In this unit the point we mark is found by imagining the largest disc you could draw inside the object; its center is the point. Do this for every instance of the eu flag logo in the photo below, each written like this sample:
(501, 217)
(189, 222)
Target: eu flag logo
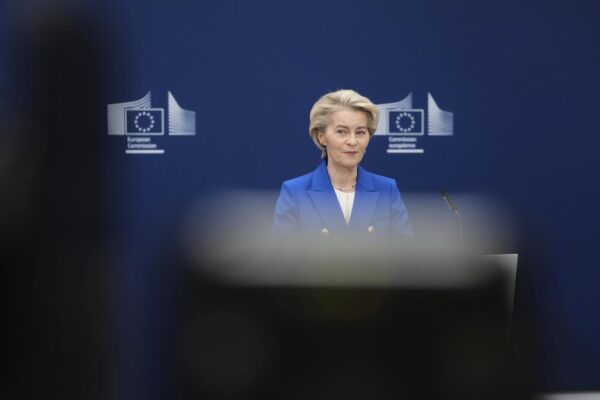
(406, 122)
(144, 121)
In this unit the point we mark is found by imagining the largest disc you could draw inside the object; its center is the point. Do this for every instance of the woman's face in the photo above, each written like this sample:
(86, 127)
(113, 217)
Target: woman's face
(346, 138)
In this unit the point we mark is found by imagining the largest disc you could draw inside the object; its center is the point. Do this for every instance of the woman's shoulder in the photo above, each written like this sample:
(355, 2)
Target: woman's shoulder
(379, 181)
(299, 183)
(310, 180)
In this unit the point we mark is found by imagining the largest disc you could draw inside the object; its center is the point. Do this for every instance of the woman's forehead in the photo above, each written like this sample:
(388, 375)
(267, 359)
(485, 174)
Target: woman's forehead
(349, 117)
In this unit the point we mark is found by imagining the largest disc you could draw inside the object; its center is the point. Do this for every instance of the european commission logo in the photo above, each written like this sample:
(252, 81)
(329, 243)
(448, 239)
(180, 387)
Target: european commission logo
(407, 122)
(404, 124)
(143, 124)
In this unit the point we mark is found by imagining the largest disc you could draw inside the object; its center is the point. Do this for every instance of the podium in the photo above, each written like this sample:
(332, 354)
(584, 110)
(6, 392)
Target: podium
(292, 323)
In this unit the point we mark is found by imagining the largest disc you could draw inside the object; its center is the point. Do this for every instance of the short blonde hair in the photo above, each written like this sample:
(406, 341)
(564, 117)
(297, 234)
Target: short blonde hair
(331, 102)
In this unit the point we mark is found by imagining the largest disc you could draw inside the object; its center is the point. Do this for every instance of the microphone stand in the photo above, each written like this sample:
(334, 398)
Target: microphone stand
(454, 210)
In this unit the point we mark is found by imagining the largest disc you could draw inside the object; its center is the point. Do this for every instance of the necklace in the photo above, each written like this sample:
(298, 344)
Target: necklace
(350, 189)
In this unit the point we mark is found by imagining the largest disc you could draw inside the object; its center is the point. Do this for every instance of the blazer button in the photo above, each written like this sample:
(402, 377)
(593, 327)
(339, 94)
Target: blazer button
(370, 229)
(324, 232)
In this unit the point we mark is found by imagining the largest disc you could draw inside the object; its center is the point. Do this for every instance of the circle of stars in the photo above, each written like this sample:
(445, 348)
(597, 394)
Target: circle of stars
(147, 115)
(399, 118)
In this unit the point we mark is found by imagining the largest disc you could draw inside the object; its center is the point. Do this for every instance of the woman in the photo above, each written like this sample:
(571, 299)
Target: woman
(339, 197)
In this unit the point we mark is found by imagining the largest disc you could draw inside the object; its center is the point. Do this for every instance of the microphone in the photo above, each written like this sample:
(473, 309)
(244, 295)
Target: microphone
(454, 210)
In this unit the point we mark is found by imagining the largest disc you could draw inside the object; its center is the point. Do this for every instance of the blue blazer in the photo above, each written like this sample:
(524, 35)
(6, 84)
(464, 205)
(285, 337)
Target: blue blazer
(308, 207)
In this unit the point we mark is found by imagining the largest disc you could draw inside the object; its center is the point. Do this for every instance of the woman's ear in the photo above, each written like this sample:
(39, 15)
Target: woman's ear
(321, 137)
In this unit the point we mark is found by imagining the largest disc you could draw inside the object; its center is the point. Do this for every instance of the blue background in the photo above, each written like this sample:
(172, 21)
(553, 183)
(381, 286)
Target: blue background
(521, 78)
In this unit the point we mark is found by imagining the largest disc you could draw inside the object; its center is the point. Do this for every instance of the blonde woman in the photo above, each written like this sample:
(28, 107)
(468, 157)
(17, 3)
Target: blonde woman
(340, 197)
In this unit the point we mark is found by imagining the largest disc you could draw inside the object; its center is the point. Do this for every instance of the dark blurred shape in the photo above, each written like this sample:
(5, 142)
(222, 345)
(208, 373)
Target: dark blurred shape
(54, 203)
(240, 339)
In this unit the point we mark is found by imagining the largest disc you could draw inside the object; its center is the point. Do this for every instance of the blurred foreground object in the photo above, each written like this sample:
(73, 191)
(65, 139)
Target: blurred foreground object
(306, 339)
(331, 319)
(53, 223)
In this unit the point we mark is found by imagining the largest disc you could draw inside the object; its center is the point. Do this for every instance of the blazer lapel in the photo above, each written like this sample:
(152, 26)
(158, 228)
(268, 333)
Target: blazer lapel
(325, 202)
(365, 202)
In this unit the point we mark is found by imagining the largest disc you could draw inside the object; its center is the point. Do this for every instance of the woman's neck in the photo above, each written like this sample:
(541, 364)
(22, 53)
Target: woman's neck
(342, 178)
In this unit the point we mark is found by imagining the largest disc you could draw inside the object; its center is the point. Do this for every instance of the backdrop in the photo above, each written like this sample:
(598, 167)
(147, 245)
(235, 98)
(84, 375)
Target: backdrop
(501, 100)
